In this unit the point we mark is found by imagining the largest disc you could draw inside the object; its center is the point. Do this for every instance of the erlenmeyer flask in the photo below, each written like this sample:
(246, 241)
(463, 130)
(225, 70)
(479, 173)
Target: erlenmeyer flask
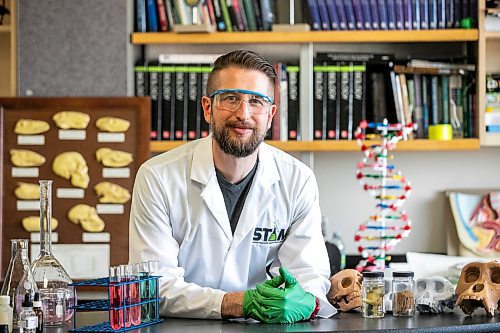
(51, 278)
(19, 278)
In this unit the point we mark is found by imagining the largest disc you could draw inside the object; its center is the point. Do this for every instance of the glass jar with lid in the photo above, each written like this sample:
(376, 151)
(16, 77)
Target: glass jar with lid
(373, 290)
(403, 294)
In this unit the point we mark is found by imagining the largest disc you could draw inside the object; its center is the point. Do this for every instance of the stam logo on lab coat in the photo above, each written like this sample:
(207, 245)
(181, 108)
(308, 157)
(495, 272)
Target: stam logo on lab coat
(268, 235)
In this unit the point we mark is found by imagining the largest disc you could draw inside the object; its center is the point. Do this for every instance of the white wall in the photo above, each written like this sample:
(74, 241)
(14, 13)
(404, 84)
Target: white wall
(431, 173)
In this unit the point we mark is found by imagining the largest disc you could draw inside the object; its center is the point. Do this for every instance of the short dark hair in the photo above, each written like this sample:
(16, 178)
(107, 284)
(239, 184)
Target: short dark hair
(244, 59)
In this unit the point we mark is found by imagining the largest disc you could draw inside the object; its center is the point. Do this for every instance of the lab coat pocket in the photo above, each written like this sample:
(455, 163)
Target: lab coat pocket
(264, 253)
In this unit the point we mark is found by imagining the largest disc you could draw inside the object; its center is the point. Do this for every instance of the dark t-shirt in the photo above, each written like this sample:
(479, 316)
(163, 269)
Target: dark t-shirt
(235, 195)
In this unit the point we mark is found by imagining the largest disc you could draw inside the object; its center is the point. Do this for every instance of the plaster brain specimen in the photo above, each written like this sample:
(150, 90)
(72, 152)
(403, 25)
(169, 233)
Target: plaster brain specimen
(112, 124)
(71, 120)
(111, 193)
(87, 217)
(31, 127)
(345, 290)
(32, 223)
(113, 158)
(26, 158)
(27, 191)
(479, 286)
(434, 295)
(71, 165)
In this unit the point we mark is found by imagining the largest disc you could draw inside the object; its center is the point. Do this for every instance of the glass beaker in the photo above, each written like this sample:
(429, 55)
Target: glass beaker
(50, 276)
(19, 277)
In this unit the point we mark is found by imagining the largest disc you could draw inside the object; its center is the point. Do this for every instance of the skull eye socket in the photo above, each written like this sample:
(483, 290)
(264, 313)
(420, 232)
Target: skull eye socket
(472, 274)
(495, 275)
(439, 286)
(346, 282)
(421, 286)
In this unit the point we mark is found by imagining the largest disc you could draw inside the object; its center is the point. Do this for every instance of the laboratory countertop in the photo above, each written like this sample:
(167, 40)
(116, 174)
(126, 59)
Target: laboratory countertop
(342, 322)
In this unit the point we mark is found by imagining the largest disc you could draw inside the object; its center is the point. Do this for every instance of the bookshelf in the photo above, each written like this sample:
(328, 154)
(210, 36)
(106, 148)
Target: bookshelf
(308, 43)
(488, 50)
(8, 52)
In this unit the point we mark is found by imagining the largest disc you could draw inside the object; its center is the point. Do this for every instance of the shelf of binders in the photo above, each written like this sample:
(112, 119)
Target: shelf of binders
(105, 305)
(344, 145)
(344, 36)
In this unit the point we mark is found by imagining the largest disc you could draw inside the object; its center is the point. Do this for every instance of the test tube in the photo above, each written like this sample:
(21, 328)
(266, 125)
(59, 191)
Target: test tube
(142, 271)
(115, 298)
(154, 266)
(125, 278)
(133, 294)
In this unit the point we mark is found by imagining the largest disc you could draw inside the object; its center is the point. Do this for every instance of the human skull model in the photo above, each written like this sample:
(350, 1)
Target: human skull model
(434, 295)
(479, 286)
(345, 290)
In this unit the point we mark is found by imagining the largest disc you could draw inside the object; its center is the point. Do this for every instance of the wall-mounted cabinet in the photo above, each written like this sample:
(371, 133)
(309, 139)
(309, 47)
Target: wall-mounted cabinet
(8, 52)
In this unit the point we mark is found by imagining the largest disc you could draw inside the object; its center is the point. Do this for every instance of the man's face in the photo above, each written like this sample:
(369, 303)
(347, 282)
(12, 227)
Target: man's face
(238, 133)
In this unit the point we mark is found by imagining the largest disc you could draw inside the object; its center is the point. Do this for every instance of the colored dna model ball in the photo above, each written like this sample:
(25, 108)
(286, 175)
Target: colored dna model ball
(390, 224)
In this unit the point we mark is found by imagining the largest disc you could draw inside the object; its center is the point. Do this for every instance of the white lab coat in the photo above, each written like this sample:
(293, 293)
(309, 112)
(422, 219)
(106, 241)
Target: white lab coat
(178, 216)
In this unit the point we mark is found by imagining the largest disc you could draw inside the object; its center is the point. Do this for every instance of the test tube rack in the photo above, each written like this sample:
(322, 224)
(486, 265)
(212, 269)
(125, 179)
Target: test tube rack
(105, 305)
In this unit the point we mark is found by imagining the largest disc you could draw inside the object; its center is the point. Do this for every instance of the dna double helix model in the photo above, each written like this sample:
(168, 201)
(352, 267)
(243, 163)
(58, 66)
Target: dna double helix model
(389, 224)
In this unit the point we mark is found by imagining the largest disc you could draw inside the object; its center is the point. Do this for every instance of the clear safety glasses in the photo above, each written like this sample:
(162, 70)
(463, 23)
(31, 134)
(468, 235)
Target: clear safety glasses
(231, 99)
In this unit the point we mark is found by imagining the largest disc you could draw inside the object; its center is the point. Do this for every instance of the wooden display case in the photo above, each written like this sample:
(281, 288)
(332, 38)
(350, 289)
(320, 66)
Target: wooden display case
(83, 253)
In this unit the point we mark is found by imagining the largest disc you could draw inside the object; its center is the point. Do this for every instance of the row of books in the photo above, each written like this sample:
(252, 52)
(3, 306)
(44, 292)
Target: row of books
(492, 114)
(175, 92)
(352, 87)
(347, 89)
(260, 15)
(225, 15)
(391, 14)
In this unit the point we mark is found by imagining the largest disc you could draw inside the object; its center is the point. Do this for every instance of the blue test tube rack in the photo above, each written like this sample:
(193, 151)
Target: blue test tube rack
(105, 305)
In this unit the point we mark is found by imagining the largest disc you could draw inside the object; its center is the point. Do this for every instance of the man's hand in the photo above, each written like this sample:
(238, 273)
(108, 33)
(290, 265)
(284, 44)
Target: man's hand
(271, 303)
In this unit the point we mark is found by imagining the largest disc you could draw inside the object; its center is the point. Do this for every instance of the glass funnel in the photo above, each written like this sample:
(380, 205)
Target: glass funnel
(19, 279)
(50, 276)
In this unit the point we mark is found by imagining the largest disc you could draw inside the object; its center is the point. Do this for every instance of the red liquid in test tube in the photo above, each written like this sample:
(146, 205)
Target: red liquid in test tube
(115, 298)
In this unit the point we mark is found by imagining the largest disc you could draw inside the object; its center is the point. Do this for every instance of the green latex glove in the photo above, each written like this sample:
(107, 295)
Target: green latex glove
(274, 304)
(248, 303)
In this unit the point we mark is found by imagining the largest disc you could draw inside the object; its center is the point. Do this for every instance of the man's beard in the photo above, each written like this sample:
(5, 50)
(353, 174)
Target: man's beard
(234, 146)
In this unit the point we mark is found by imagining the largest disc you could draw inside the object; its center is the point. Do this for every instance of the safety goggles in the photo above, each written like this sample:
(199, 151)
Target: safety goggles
(231, 99)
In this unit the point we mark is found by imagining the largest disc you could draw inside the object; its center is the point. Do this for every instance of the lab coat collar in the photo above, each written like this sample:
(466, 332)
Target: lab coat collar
(203, 172)
(258, 199)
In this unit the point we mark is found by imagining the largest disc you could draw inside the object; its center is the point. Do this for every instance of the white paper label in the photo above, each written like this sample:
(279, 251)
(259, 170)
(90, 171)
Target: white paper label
(35, 237)
(28, 205)
(115, 172)
(110, 137)
(29, 323)
(24, 172)
(110, 209)
(72, 135)
(96, 237)
(81, 261)
(70, 193)
(31, 140)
